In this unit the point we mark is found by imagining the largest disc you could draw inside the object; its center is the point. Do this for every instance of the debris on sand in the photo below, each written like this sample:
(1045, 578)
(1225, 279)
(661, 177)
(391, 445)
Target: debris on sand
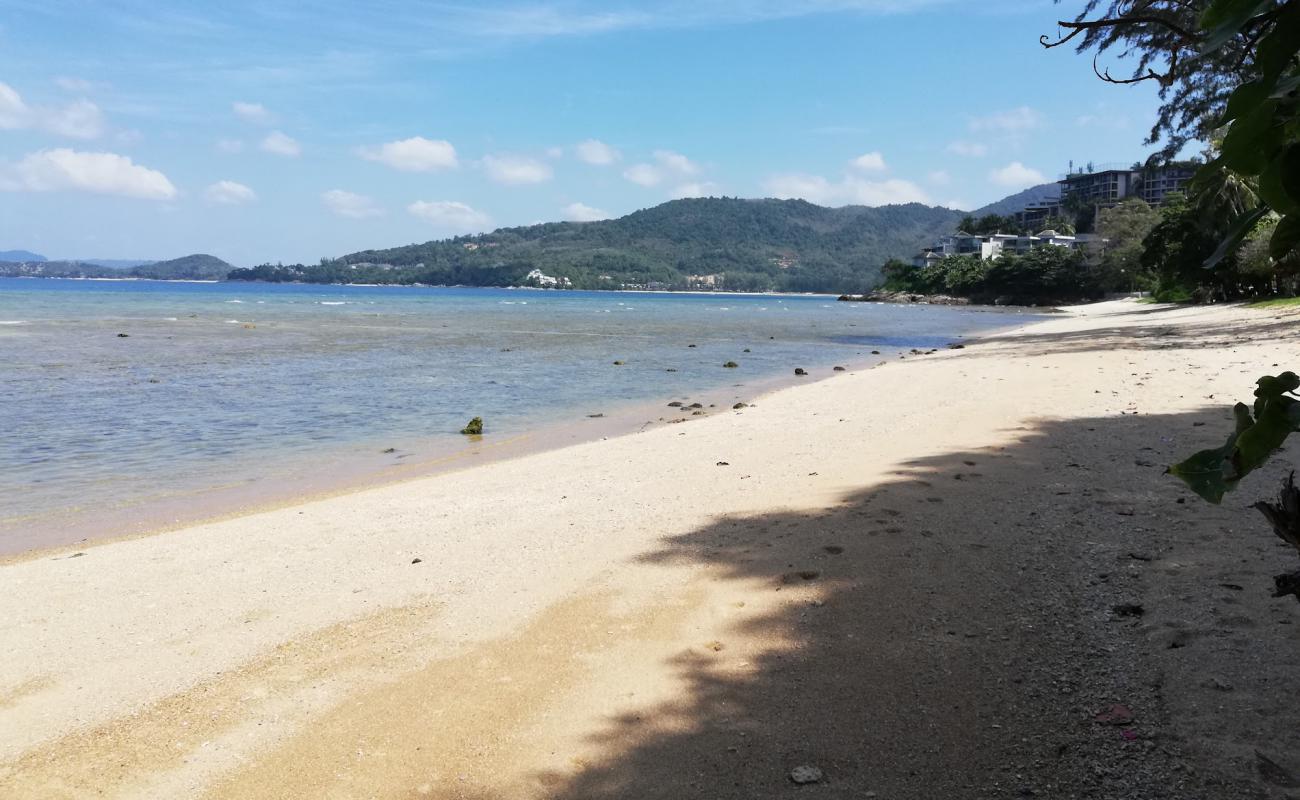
(806, 774)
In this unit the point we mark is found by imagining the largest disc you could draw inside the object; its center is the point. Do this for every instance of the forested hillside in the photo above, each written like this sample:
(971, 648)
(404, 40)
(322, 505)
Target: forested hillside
(193, 267)
(724, 243)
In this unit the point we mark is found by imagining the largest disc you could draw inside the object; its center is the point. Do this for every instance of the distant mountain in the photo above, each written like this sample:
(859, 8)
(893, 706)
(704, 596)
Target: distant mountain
(1018, 201)
(195, 267)
(728, 243)
(117, 263)
(199, 266)
(21, 255)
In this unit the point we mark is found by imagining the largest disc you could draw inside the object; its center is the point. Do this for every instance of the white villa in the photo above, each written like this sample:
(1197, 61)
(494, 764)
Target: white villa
(995, 245)
(538, 278)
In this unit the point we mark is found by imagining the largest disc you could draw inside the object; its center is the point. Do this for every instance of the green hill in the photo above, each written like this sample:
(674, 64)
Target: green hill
(199, 266)
(195, 267)
(784, 245)
(1017, 201)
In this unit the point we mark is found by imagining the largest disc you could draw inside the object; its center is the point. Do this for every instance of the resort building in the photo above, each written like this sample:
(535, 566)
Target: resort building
(1111, 183)
(537, 278)
(993, 245)
(1108, 185)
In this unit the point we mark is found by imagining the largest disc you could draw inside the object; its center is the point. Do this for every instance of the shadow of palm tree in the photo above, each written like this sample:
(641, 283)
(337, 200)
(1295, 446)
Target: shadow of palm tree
(952, 633)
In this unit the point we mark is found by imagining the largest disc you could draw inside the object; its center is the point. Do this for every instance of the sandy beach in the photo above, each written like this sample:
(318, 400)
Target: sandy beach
(906, 577)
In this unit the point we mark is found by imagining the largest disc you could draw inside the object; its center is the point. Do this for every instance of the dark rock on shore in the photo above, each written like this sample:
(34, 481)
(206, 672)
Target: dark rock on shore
(906, 297)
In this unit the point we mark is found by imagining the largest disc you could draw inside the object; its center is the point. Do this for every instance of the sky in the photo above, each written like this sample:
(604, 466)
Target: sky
(283, 130)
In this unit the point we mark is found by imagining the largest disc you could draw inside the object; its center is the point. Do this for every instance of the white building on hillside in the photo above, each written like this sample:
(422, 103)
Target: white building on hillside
(538, 278)
(991, 246)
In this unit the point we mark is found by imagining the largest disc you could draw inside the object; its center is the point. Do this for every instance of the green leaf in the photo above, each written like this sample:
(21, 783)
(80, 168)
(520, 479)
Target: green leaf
(1273, 423)
(1213, 473)
(1276, 50)
(1285, 86)
(1209, 473)
(1288, 168)
(1235, 236)
(1224, 19)
(1286, 237)
(1271, 189)
(1245, 99)
(1251, 140)
(1204, 472)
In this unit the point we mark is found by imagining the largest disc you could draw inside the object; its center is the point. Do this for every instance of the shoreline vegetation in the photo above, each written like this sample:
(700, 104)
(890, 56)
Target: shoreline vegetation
(499, 632)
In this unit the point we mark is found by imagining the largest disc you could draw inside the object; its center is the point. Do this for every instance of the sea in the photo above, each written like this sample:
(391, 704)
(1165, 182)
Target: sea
(133, 405)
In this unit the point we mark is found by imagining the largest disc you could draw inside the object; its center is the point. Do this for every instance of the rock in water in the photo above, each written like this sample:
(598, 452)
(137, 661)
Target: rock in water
(474, 428)
(805, 774)
(731, 365)
(800, 371)
(838, 369)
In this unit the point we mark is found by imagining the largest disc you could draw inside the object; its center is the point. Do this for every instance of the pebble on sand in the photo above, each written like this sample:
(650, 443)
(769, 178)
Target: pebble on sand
(806, 774)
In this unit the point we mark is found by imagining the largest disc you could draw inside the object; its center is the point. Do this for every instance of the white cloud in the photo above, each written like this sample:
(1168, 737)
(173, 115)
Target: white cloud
(230, 145)
(514, 170)
(416, 154)
(669, 164)
(676, 162)
(14, 113)
(869, 162)
(596, 153)
(281, 145)
(1117, 122)
(1017, 119)
(532, 21)
(939, 178)
(70, 84)
(555, 152)
(99, 173)
(968, 149)
(696, 189)
(643, 175)
(1016, 176)
(849, 191)
(81, 119)
(229, 193)
(581, 212)
(351, 205)
(251, 112)
(450, 216)
(956, 205)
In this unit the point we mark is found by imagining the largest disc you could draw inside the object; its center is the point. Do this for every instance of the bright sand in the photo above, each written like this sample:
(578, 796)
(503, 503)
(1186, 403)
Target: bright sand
(640, 615)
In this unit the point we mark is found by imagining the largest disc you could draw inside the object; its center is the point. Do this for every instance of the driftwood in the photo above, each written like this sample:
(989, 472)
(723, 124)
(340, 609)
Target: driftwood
(1284, 516)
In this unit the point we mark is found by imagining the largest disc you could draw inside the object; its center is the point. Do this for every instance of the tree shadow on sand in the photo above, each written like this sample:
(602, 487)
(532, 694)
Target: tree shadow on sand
(1153, 334)
(954, 632)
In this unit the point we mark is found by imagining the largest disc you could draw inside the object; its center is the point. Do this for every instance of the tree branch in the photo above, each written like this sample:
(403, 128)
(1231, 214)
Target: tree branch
(1076, 28)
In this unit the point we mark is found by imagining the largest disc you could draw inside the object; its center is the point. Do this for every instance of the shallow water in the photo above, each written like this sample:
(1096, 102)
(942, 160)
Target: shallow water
(226, 384)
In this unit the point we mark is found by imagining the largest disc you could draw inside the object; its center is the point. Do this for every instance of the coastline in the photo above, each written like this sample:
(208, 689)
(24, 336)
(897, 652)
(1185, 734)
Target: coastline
(361, 468)
(680, 607)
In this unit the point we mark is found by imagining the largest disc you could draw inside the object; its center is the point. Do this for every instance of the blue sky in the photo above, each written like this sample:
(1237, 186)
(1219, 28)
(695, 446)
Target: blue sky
(279, 130)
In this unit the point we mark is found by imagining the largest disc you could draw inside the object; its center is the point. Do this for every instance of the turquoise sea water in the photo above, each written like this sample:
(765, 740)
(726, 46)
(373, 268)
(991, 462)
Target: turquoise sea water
(217, 385)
